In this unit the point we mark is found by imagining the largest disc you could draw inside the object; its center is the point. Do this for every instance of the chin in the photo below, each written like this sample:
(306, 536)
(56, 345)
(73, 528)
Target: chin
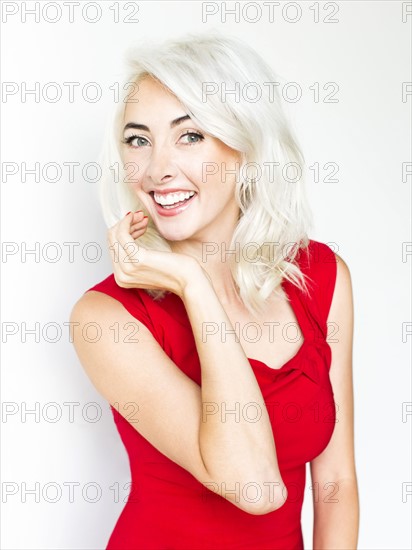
(175, 235)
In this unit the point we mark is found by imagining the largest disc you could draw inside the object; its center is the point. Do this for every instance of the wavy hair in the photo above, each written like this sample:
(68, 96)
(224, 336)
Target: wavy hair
(274, 216)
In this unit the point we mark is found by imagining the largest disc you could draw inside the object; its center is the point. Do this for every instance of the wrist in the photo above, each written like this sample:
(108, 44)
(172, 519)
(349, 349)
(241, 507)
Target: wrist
(196, 281)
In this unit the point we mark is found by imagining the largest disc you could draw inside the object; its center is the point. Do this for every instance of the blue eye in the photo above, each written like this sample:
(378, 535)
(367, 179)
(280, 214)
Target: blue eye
(129, 140)
(196, 135)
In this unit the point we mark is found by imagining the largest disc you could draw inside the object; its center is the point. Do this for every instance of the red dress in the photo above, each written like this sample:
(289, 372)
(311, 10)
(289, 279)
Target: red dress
(167, 507)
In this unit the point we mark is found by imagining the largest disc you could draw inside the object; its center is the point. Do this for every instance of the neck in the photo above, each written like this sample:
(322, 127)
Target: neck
(214, 256)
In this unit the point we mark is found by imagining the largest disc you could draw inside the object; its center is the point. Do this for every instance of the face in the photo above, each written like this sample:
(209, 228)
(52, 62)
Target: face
(189, 172)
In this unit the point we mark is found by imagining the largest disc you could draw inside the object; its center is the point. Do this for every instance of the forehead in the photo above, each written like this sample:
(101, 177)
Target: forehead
(149, 97)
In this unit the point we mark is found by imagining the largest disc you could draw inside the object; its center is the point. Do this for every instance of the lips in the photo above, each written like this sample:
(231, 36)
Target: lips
(167, 191)
(171, 199)
(173, 210)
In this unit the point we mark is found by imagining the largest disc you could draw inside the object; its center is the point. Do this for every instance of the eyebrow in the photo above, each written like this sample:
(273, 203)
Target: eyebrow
(173, 123)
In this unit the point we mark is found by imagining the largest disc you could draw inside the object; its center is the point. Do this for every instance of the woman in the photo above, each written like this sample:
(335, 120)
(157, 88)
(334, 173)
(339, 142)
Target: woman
(213, 351)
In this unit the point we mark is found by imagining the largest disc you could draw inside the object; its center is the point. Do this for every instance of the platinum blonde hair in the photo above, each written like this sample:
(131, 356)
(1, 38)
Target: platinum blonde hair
(274, 216)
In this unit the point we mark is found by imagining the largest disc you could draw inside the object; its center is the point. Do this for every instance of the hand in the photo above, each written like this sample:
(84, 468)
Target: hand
(137, 267)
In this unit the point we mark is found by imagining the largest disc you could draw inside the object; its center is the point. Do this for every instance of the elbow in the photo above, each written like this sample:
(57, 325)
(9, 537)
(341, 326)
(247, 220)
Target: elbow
(264, 507)
(253, 497)
(260, 509)
(271, 498)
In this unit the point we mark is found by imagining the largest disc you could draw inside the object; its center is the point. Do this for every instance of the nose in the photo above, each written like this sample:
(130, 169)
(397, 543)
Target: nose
(161, 166)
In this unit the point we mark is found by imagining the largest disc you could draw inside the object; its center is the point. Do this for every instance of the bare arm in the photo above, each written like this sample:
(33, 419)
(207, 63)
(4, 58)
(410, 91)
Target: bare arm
(173, 414)
(171, 408)
(235, 434)
(336, 500)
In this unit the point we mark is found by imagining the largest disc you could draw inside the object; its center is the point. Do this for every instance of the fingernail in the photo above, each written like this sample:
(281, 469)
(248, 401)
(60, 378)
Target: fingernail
(128, 213)
(138, 211)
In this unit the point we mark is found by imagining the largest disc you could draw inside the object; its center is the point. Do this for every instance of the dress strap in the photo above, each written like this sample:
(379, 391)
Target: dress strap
(318, 262)
(131, 299)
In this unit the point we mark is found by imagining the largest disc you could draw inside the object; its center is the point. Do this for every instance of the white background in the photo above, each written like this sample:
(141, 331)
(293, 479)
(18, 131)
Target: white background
(366, 213)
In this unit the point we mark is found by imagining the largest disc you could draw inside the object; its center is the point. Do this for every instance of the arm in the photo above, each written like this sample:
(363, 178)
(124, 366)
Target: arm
(336, 524)
(182, 420)
(170, 405)
(235, 449)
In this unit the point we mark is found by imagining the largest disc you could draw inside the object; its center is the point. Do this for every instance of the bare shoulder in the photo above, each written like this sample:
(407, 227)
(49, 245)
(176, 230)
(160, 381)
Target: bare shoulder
(101, 308)
(96, 318)
(93, 300)
(137, 370)
(341, 310)
(343, 272)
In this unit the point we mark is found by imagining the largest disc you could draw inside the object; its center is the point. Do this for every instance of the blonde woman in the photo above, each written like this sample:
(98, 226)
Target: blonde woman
(214, 354)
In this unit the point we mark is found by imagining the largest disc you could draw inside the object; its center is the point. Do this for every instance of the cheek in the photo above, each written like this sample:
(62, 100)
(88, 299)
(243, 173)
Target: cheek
(227, 174)
(192, 169)
(209, 169)
(133, 169)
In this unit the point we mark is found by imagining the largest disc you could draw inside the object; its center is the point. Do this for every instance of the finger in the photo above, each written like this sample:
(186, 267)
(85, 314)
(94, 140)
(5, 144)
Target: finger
(118, 237)
(137, 233)
(136, 216)
(139, 224)
(124, 250)
(123, 229)
(124, 258)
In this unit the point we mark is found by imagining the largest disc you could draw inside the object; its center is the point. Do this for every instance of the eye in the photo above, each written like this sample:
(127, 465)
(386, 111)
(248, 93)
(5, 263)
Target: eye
(195, 137)
(139, 141)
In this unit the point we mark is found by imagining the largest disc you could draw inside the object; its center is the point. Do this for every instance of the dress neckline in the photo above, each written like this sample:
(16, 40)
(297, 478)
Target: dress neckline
(290, 291)
(291, 296)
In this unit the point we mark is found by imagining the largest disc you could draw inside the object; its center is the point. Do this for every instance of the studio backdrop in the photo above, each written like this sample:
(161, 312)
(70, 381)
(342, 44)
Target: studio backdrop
(345, 82)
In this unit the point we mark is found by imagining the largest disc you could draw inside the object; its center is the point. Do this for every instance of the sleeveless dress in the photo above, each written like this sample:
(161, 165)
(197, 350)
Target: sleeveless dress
(167, 507)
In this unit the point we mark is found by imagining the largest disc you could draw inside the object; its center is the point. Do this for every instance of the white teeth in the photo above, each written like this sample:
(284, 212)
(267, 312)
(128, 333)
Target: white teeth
(172, 198)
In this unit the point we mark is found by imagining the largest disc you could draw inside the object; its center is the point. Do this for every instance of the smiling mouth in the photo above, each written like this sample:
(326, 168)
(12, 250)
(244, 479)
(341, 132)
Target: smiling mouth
(168, 203)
